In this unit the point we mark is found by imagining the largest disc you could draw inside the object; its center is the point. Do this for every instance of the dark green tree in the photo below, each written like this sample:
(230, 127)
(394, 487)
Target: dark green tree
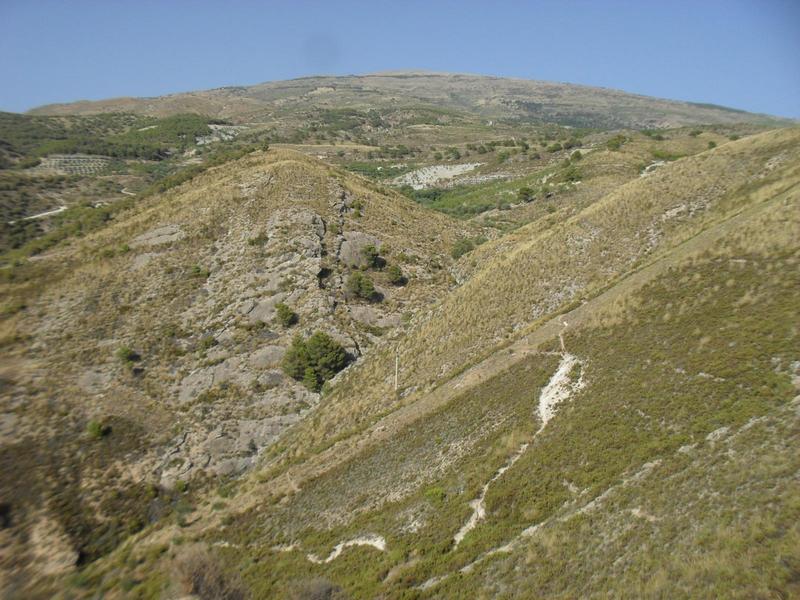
(372, 257)
(315, 360)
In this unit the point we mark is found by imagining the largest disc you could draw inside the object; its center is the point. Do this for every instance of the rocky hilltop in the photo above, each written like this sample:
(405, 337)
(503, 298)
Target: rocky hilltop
(484, 96)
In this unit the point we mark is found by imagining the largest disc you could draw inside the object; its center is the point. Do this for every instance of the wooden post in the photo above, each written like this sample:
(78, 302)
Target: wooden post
(396, 370)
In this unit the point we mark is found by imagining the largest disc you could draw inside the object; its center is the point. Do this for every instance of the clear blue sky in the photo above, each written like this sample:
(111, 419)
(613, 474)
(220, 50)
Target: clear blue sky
(744, 54)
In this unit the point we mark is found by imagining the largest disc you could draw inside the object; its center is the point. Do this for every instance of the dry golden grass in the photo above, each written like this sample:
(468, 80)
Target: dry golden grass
(552, 268)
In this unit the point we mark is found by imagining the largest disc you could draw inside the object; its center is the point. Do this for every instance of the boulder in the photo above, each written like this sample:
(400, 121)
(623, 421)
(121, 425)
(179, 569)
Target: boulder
(354, 242)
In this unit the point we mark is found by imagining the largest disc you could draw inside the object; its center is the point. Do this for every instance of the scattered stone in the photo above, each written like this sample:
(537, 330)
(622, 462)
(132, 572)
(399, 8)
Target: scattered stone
(160, 235)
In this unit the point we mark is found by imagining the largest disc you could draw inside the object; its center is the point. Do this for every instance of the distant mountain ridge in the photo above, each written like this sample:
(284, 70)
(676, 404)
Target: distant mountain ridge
(480, 95)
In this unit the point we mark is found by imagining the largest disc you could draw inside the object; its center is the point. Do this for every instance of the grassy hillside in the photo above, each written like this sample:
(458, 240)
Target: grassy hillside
(644, 421)
(562, 266)
(607, 389)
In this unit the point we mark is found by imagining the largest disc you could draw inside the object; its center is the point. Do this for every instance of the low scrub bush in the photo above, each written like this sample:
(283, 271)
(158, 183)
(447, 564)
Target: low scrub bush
(395, 275)
(465, 246)
(127, 355)
(372, 257)
(361, 286)
(200, 574)
(285, 315)
(97, 430)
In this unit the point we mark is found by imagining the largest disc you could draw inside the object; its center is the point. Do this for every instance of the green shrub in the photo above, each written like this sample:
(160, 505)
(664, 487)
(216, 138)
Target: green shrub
(453, 153)
(310, 379)
(97, 430)
(572, 174)
(314, 360)
(396, 276)
(664, 155)
(615, 143)
(361, 286)
(525, 194)
(464, 246)
(199, 272)
(372, 256)
(285, 315)
(127, 355)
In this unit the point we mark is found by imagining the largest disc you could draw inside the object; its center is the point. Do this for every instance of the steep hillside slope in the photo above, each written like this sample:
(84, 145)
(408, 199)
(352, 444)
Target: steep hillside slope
(488, 97)
(650, 430)
(554, 269)
(149, 353)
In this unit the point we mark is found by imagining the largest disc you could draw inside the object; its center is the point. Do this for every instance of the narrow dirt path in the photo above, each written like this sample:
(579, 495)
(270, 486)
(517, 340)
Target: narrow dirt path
(42, 215)
(376, 541)
(558, 389)
(479, 504)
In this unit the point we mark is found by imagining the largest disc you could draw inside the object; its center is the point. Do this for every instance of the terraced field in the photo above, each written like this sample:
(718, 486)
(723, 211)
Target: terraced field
(73, 164)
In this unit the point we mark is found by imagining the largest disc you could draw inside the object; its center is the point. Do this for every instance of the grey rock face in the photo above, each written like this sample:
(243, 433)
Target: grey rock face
(160, 235)
(354, 242)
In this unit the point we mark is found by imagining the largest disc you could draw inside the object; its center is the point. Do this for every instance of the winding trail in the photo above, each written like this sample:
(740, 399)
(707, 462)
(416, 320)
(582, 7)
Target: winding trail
(479, 504)
(557, 390)
(376, 541)
(42, 215)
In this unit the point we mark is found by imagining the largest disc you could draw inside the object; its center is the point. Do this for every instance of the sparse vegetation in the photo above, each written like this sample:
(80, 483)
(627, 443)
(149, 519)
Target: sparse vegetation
(679, 290)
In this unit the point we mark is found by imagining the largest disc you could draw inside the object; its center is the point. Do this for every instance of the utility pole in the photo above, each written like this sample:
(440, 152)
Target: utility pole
(396, 369)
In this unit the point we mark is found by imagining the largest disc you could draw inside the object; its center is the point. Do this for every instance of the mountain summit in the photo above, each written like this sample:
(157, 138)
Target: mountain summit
(484, 96)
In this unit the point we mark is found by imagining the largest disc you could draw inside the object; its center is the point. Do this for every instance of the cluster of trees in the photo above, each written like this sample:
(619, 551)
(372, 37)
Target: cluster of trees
(394, 152)
(23, 134)
(119, 136)
(314, 360)
(360, 285)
